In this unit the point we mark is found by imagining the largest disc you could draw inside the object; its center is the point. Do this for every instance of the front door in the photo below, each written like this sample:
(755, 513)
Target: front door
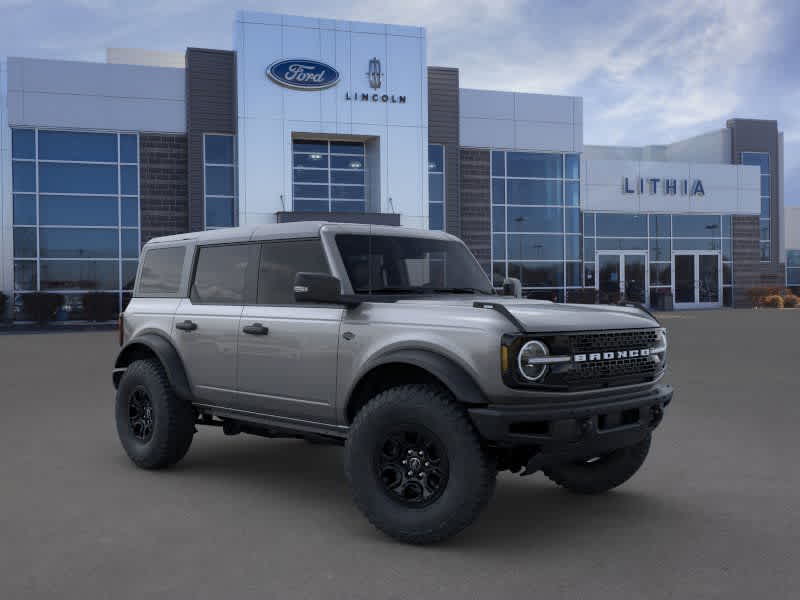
(622, 275)
(697, 279)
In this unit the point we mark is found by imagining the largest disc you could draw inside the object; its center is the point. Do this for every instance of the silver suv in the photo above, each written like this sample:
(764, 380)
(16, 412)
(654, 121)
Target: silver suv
(392, 342)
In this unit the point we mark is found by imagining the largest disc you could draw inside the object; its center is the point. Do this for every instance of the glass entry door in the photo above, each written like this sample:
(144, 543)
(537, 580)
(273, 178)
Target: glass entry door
(697, 279)
(622, 275)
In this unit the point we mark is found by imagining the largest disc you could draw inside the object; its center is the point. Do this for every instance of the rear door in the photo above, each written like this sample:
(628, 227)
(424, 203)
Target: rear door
(288, 351)
(206, 324)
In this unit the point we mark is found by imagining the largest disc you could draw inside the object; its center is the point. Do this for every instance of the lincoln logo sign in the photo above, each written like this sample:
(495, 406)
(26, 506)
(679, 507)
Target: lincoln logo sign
(302, 74)
(667, 186)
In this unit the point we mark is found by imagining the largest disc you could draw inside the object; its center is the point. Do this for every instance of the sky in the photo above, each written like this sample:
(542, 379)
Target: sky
(649, 72)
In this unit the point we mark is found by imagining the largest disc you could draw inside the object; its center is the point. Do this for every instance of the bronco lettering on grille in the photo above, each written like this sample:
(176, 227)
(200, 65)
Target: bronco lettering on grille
(595, 356)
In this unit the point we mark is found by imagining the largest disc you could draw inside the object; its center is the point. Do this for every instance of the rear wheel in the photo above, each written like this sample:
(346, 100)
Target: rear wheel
(601, 473)
(154, 426)
(416, 466)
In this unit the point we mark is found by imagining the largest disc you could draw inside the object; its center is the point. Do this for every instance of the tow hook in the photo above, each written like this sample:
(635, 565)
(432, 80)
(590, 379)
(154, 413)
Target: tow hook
(656, 414)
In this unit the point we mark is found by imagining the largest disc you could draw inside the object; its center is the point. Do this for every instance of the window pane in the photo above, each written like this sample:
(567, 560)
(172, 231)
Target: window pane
(310, 191)
(793, 277)
(588, 224)
(498, 218)
(219, 149)
(78, 243)
(727, 297)
(311, 205)
(765, 208)
(77, 179)
(435, 158)
(498, 163)
(695, 244)
(759, 159)
(348, 206)
(727, 249)
(572, 245)
(130, 243)
(219, 181)
(25, 275)
(77, 210)
(521, 191)
(621, 243)
(498, 191)
(727, 226)
(128, 149)
(317, 161)
(765, 251)
(765, 185)
(219, 212)
(130, 212)
(346, 162)
(573, 166)
(347, 192)
(588, 274)
(24, 242)
(129, 273)
(347, 148)
(79, 275)
(696, 225)
(763, 229)
(498, 273)
(436, 216)
(499, 247)
(572, 220)
(588, 249)
(436, 187)
(529, 164)
(538, 220)
(280, 262)
(660, 226)
(623, 225)
(220, 274)
(161, 270)
(538, 274)
(23, 176)
(535, 247)
(311, 175)
(74, 145)
(357, 177)
(661, 274)
(310, 146)
(727, 273)
(793, 258)
(572, 189)
(129, 180)
(23, 144)
(24, 209)
(660, 249)
(573, 274)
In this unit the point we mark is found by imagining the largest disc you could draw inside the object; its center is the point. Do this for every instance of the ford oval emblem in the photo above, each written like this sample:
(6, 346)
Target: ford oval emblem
(303, 74)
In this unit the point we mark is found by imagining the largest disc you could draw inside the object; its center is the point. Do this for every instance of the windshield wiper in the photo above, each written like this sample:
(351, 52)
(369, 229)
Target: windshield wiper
(459, 290)
(392, 290)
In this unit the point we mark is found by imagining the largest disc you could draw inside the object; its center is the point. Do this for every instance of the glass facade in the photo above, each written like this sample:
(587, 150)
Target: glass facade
(219, 168)
(536, 221)
(761, 160)
(76, 214)
(328, 176)
(793, 268)
(436, 186)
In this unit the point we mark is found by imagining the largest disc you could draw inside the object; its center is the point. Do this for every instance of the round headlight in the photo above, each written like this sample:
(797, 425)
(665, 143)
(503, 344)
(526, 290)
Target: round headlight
(529, 367)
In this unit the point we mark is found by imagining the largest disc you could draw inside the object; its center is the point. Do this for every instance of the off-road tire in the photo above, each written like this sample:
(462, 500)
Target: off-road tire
(172, 418)
(472, 472)
(606, 473)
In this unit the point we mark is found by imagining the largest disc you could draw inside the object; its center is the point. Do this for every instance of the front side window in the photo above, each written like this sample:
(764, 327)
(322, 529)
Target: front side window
(408, 265)
(281, 261)
(220, 274)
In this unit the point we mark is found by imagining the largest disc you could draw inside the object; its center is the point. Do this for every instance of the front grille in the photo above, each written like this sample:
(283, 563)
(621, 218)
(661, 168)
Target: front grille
(636, 339)
(614, 371)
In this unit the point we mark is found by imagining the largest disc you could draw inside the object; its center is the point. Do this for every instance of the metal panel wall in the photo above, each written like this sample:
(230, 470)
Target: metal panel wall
(443, 128)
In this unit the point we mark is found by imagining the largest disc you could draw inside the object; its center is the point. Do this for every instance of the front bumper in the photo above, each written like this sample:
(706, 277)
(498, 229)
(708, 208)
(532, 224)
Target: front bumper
(564, 430)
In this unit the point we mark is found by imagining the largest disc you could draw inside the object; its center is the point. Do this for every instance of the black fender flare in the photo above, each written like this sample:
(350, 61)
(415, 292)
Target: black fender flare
(166, 354)
(452, 375)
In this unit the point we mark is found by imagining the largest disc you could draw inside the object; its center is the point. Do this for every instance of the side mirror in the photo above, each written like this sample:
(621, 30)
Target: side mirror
(317, 287)
(512, 287)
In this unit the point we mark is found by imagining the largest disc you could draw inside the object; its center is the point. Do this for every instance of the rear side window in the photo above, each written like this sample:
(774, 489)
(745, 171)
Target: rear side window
(281, 261)
(161, 271)
(220, 274)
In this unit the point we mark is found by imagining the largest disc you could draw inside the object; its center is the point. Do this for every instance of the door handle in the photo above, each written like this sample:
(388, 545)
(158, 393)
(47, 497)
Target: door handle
(187, 325)
(256, 329)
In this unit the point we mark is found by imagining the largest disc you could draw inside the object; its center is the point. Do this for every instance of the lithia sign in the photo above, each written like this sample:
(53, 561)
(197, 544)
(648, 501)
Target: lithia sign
(667, 186)
(306, 74)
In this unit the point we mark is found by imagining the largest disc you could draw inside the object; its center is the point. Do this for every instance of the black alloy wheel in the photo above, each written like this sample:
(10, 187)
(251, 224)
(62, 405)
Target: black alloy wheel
(140, 414)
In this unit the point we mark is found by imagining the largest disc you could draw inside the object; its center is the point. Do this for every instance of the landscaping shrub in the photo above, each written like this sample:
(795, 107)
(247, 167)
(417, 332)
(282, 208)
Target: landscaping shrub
(758, 295)
(773, 301)
(41, 306)
(99, 306)
(790, 301)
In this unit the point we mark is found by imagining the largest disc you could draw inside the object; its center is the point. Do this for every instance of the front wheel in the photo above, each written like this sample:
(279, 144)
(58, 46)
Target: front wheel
(601, 473)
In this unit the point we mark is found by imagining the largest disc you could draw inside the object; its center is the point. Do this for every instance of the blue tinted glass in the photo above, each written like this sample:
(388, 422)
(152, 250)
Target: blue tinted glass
(310, 191)
(314, 161)
(660, 274)
(621, 244)
(696, 225)
(765, 185)
(498, 191)
(347, 192)
(73, 145)
(219, 212)
(129, 180)
(356, 177)
(128, 149)
(23, 144)
(535, 247)
(25, 275)
(727, 249)
(219, 149)
(348, 206)
(78, 243)
(660, 226)
(311, 205)
(621, 225)
(543, 274)
(499, 246)
(23, 176)
(588, 249)
(695, 244)
(572, 220)
(77, 210)
(588, 271)
(793, 258)
(793, 277)
(573, 274)
(498, 163)
(572, 246)
(130, 243)
(660, 249)
(530, 164)
(436, 187)
(573, 166)
(498, 218)
(588, 224)
(727, 225)
(219, 181)
(24, 209)
(80, 275)
(24, 242)
(436, 216)
(759, 159)
(766, 251)
(537, 220)
(435, 158)
(130, 212)
(345, 162)
(764, 229)
(526, 191)
(312, 175)
(78, 179)
(309, 146)
(129, 273)
(347, 148)
(765, 208)
(572, 190)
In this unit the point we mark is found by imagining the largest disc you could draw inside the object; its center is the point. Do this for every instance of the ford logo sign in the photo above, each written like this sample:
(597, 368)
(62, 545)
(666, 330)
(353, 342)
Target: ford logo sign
(303, 74)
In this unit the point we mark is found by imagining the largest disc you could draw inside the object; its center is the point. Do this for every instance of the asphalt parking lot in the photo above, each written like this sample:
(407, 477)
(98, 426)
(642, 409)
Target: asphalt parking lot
(715, 512)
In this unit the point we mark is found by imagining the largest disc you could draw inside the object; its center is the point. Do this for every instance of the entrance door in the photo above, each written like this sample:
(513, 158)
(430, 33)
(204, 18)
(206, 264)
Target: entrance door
(622, 275)
(697, 279)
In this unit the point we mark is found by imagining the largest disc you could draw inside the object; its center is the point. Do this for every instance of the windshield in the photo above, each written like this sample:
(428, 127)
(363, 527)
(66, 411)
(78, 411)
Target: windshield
(406, 265)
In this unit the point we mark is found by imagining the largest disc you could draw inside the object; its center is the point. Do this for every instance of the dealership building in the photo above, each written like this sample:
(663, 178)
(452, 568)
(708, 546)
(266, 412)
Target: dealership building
(339, 120)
